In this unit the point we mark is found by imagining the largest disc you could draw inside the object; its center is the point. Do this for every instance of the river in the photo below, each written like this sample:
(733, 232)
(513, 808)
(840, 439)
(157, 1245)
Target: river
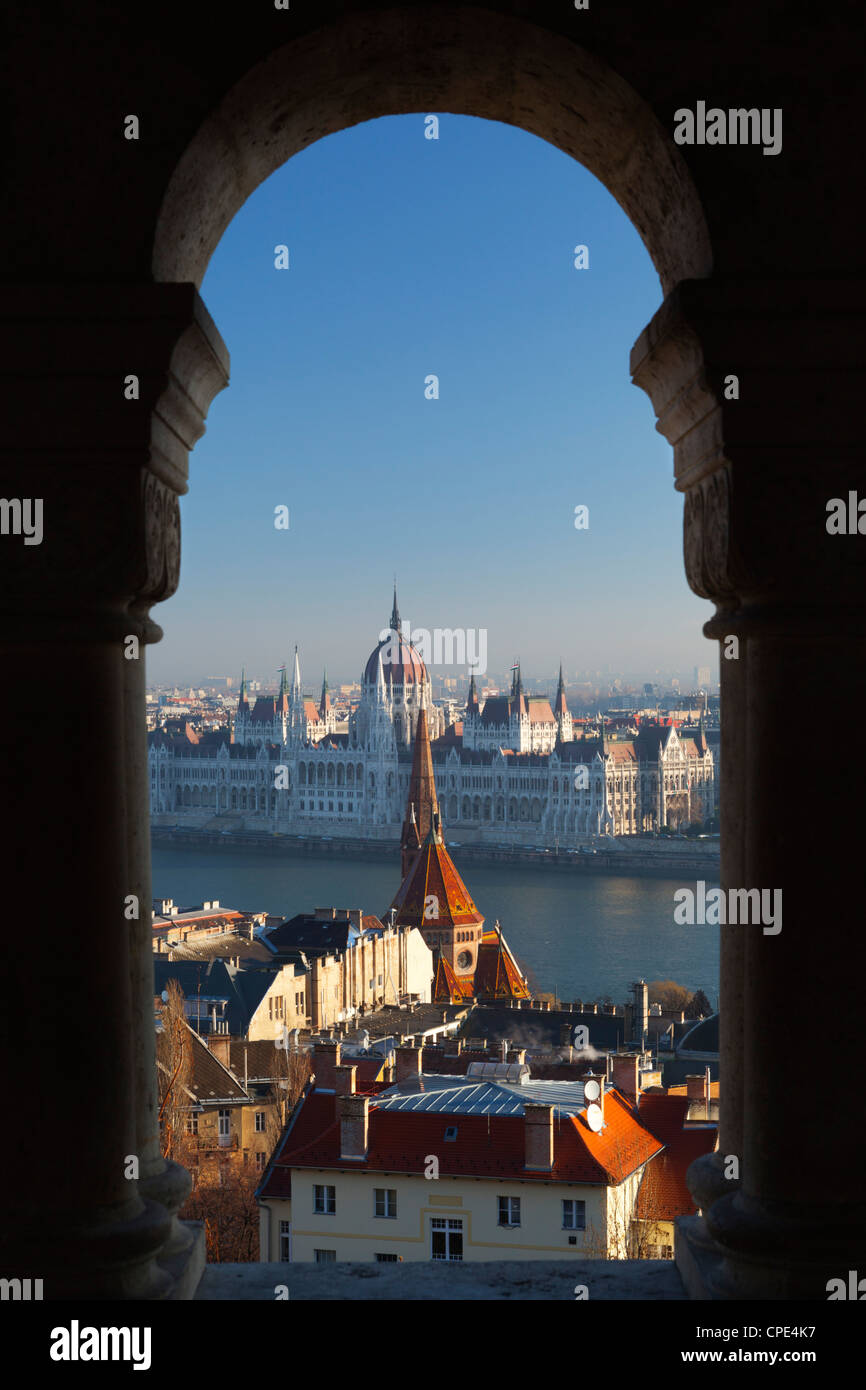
(582, 935)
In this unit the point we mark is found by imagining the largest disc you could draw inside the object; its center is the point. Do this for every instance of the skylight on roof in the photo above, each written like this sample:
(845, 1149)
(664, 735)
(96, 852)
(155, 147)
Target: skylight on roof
(450, 1134)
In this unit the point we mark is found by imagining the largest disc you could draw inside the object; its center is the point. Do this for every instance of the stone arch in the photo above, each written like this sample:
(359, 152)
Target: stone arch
(489, 65)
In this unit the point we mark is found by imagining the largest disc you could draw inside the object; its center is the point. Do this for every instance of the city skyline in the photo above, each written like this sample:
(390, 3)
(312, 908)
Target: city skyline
(471, 498)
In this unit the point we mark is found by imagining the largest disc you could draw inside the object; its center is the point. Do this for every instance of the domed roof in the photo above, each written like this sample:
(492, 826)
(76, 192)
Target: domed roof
(401, 664)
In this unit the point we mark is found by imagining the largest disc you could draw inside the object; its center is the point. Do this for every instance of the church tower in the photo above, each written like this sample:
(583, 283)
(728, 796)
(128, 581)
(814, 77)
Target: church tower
(433, 896)
(422, 805)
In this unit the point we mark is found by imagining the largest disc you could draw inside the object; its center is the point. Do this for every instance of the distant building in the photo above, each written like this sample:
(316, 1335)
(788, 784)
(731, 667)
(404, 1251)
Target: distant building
(510, 771)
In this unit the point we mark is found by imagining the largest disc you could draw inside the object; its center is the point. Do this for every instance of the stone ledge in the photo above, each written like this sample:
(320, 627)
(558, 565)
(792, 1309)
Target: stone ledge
(547, 1280)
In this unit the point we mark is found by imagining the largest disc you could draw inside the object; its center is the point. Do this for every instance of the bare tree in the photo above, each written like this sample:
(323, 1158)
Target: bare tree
(291, 1074)
(174, 1071)
(224, 1200)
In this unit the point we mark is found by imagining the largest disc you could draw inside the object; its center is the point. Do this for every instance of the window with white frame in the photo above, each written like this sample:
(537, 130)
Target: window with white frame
(325, 1257)
(509, 1211)
(573, 1215)
(285, 1241)
(446, 1238)
(324, 1199)
(385, 1201)
(260, 1122)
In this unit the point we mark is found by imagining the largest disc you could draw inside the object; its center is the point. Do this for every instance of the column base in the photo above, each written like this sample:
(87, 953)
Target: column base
(745, 1250)
(186, 1267)
(697, 1257)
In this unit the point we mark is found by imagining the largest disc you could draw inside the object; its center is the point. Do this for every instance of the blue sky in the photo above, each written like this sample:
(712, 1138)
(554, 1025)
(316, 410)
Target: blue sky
(411, 257)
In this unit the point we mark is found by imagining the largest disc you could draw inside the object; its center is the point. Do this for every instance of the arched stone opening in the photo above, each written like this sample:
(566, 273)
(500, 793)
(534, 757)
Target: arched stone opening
(494, 66)
(795, 608)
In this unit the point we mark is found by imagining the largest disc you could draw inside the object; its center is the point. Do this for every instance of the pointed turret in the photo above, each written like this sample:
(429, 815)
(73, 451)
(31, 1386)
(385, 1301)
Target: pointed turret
(472, 706)
(283, 697)
(422, 804)
(497, 975)
(561, 713)
(296, 674)
(395, 615)
(243, 702)
(325, 701)
(560, 706)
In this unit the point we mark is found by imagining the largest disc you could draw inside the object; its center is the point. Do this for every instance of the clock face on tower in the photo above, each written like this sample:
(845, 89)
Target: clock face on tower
(464, 960)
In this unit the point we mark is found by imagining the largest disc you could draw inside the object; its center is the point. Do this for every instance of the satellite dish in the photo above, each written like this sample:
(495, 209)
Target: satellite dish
(594, 1118)
(591, 1090)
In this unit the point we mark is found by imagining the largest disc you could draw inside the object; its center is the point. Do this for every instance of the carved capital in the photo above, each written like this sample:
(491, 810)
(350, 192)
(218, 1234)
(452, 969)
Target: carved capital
(106, 470)
(737, 376)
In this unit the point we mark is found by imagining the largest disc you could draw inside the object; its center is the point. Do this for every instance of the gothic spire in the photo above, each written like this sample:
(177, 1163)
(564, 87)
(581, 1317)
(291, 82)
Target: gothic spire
(472, 701)
(422, 807)
(560, 706)
(395, 615)
(296, 674)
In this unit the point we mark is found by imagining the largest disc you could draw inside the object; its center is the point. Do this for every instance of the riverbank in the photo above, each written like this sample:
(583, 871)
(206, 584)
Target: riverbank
(656, 858)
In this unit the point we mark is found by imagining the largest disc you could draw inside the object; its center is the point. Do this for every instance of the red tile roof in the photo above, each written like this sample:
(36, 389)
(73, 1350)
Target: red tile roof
(485, 1146)
(447, 988)
(433, 874)
(663, 1193)
(496, 974)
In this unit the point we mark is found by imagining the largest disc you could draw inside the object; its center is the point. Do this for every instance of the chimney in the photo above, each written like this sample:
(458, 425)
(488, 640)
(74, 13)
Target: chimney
(353, 1112)
(538, 1136)
(326, 1059)
(219, 1044)
(344, 1080)
(408, 1063)
(518, 1054)
(641, 1012)
(698, 1089)
(625, 1074)
(503, 1050)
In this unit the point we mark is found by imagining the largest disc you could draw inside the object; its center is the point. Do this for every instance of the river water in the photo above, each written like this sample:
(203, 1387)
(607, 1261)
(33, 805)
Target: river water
(581, 935)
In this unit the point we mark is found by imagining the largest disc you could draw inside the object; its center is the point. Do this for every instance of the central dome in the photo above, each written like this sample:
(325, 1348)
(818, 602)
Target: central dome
(401, 664)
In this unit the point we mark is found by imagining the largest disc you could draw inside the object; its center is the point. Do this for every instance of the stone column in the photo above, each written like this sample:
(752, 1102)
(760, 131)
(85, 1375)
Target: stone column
(757, 470)
(107, 459)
